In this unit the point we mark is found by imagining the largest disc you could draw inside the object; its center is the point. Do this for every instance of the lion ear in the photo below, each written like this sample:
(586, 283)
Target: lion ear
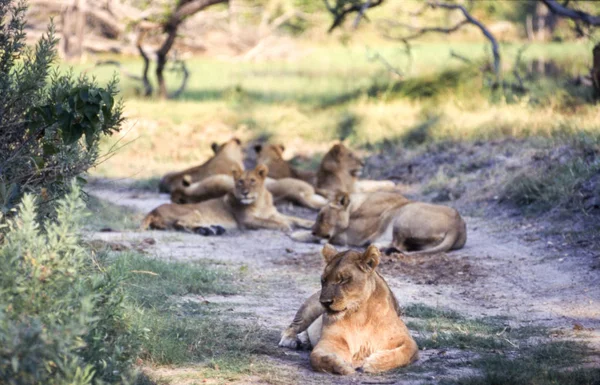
(328, 252)
(258, 148)
(236, 172)
(282, 147)
(262, 170)
(370, 258)
(215, 147)
(343, 199)
(186, 181)
(335, 150)
(239, 142)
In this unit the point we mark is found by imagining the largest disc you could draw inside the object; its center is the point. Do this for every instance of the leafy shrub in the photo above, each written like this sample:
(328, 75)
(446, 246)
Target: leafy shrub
(62, 318)
(44, 116)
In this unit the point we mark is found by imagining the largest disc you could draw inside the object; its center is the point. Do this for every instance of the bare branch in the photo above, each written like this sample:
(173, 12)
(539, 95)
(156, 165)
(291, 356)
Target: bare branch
(573, 14)
(343, 8)
(423, 31)
(361, 13)
(516, 68)
(460, 57)
(186, 75)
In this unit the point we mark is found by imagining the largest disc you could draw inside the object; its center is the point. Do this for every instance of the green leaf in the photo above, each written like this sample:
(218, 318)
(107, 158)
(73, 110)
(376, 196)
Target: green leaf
(84, 94)
(49, 149)
(81, 181)
(108, 100)
(91, 111)
(39, 161)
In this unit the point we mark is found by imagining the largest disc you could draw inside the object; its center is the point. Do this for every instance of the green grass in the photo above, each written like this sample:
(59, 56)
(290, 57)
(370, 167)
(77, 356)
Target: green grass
(184, 332)
(501, 355)
(105, 215)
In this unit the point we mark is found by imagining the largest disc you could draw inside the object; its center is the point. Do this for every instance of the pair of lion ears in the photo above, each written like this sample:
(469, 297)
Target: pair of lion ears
(261, 169)
(258, 148)
(368, 260)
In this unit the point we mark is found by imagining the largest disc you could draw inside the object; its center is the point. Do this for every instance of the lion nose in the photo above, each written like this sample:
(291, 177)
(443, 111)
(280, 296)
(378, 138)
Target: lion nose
(326, 302)
(245, 192)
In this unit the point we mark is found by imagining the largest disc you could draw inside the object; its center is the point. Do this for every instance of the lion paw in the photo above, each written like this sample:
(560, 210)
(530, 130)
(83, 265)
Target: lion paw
(288, 342)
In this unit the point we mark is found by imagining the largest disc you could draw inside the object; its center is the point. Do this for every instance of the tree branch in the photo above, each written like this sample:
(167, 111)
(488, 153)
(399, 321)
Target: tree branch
(343, 8)
(573, 14)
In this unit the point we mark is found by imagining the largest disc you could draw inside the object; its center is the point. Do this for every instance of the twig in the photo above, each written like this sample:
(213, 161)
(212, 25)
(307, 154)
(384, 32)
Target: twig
(460, 57)
(517, 65)
(361, 13)
(186, 75)
(145, 272)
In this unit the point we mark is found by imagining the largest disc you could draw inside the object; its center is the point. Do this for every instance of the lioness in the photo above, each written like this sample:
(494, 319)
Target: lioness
(353, 322)
(339, 172)
(227, 156)
(290, 189)
(418, 228)
(272, 156)
(249, 205)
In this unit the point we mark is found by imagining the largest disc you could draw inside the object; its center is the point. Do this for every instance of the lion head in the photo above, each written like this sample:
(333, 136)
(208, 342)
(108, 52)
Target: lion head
(345, 159)
(233, 145)
(348, 279)
(271, 155)
(333, 218)
(249, 185)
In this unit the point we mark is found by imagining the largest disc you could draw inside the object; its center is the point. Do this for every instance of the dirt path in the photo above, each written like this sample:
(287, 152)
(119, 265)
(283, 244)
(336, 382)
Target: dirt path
(496, 274)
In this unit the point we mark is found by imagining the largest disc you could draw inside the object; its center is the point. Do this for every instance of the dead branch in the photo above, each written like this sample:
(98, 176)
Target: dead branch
(460, 57)
(186, 74)
(573, 14)
(343, 8)
(469, 19)
(389, 67)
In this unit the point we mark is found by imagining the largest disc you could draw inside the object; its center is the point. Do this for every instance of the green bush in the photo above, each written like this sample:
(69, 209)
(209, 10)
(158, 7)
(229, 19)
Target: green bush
(62, 318)
(44, 116)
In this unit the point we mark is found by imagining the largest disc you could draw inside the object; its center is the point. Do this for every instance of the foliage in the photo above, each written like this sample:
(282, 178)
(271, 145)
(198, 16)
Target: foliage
(44, 115)
(62, 317)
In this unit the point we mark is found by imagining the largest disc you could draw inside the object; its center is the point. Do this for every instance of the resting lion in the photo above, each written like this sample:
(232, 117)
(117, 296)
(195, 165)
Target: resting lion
(249, 205)
(339, 172)
(290, 189)
(353, 321)
(227, 156)
(272, 156)
(361, 219)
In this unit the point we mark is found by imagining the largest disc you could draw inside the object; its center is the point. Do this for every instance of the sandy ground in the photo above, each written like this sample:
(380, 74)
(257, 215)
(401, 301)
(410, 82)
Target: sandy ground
(497, 273)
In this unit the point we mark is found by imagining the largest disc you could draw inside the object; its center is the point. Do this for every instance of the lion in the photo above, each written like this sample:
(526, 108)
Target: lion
(353, 322)
(417, 227)
(285, 189)
(272, 156)
(339, 171)
(227, 156)
(248, 206)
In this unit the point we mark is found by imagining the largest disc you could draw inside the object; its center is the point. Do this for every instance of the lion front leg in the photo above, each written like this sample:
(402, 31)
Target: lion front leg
(333, 358)
(298, 222)
(273, 223)
(384, 360)
(310, 310)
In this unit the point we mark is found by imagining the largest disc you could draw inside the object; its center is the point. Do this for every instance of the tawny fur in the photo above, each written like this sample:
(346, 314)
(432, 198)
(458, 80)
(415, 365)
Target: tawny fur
(339, 171)
(228, 156)
(359, 318)
(418, 228)
(285, 189)
(249, 205)
(271, 155)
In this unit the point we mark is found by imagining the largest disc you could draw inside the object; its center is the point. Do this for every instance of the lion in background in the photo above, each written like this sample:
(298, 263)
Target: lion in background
(339, 171)
(227, 156)
(361, 219)
(353, 322)
(248, 206)
(272, 156)
(285, 189)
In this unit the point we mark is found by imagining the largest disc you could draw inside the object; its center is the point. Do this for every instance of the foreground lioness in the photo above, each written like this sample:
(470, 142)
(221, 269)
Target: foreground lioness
(360, 219)
(290, 189)
(339, 171)
(360, 328)
(227, 156)
(249, 205)
(272, 156)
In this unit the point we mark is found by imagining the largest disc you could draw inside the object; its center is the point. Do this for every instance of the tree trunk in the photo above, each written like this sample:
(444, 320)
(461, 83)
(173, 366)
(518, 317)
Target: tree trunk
(161, 61)
(73, 20)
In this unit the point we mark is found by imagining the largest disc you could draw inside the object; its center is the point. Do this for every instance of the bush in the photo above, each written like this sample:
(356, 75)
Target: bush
(62, 318)
(44, 116)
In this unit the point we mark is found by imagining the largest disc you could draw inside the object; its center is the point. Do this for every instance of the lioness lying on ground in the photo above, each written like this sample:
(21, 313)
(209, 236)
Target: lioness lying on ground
(227, 156)
(353, 322)
(339, 172)
(361, 219)
(272, 156)
(290, 189)
(249, 205)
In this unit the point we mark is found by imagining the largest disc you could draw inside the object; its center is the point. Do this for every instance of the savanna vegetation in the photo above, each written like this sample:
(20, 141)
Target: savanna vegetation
(520, 135)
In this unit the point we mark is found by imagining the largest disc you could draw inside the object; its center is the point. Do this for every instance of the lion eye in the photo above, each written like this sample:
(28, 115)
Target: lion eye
(252, 181)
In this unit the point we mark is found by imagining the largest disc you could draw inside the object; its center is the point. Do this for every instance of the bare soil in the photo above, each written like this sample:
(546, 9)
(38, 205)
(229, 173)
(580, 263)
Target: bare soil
(509, 267)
